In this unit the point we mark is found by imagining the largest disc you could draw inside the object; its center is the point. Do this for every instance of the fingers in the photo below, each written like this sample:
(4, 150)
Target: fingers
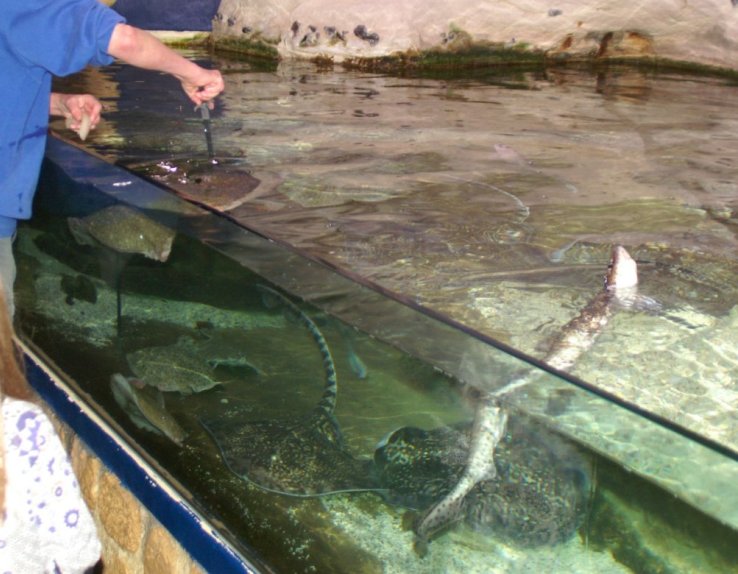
(205, 88)
(82, 112)
(81, 105)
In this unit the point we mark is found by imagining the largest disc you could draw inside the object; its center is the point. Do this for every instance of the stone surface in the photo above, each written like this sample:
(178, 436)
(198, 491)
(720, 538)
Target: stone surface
(133, 541)
(703, 32)
(119, 513)
(160, 555)
(116, 564)
(87, 468)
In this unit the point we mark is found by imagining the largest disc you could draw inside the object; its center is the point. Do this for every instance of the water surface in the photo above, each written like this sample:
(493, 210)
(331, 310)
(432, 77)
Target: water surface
(492, 198)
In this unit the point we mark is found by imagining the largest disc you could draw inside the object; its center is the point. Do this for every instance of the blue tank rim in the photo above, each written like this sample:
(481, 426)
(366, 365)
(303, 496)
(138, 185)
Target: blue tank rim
(201, 541)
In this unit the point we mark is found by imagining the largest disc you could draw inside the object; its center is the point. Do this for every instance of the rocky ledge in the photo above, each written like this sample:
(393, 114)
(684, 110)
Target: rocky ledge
(428, 32)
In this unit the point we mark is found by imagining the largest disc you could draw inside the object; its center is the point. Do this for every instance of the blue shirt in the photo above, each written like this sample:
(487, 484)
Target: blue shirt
(38, 39)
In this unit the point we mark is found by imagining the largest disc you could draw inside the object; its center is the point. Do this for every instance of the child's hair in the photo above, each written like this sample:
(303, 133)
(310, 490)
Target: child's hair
(13, 381)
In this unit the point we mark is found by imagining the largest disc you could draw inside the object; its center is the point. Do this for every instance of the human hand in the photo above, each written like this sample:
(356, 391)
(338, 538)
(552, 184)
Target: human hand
(203, 86)
(82, 111)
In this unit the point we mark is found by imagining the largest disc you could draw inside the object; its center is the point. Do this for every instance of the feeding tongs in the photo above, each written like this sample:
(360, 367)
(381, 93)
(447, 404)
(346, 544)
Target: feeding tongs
(205, 115)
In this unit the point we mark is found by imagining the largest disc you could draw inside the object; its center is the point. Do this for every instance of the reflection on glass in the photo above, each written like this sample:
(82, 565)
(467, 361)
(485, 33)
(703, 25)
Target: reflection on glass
(491, 197)
(318, 445)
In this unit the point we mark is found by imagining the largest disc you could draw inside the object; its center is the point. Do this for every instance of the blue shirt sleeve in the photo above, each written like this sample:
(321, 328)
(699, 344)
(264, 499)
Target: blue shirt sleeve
(61, 36)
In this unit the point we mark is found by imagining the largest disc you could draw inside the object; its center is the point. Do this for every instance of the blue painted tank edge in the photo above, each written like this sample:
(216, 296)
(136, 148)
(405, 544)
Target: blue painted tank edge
(212, 553)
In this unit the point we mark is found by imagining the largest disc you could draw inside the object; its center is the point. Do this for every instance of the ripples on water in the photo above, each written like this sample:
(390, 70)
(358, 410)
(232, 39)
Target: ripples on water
(492, 198)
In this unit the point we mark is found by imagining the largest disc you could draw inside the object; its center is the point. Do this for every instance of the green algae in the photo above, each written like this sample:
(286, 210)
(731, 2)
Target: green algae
(255, 45)
(458, 53)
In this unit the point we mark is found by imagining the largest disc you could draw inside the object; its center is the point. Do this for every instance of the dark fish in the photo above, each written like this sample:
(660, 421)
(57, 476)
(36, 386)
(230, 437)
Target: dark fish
(490, 419)
(357, 365)
(303, 456)
(79, 287)
(537, 496)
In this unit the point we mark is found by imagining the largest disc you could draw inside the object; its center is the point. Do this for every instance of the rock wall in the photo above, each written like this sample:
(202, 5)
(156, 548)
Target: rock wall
(133, 541)
(702, 32)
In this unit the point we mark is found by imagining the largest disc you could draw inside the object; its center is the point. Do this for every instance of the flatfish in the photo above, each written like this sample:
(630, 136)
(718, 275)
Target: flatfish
(300, 456)
(221, 184)
(124, 230)
(145, 407)
(173, 368)
(490, 417)
(537, 496)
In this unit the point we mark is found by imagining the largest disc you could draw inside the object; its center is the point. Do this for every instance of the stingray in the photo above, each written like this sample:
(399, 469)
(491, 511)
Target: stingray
(221, 184)
(536, 497)
(124, 232)
(299, 456)
(490, 418)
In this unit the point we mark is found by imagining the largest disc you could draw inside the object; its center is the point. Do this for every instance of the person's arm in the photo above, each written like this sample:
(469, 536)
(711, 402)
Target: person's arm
(141, 49)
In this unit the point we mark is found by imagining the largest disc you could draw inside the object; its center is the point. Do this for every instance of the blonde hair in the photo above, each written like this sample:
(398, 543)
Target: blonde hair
(13, 381)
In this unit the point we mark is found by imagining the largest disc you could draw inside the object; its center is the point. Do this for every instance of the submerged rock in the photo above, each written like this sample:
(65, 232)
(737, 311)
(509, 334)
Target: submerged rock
(79, 287)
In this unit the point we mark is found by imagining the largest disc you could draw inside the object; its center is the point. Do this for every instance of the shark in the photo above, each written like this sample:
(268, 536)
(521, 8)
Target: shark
(490, 416)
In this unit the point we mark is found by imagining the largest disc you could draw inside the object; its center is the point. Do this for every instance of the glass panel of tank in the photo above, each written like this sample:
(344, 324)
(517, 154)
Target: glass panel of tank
(329, 428)
(492, 196)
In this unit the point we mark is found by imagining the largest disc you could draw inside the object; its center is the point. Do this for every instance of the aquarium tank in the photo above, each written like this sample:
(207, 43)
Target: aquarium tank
(357, 339)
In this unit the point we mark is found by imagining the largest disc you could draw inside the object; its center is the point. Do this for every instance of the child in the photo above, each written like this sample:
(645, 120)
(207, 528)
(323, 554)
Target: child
(45, 526)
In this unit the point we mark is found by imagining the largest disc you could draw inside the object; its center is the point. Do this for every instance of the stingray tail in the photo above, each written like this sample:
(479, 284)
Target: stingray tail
(327, 402)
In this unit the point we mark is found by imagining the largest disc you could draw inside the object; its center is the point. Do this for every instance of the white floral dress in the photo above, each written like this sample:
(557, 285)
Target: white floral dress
(47, 526)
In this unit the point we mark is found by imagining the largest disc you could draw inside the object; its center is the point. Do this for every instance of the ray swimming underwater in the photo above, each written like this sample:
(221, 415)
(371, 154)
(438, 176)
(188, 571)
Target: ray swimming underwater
(298, 456)
(490, 419)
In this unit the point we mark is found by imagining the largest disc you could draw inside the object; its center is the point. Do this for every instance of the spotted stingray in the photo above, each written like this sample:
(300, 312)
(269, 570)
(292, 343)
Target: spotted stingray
(302, 456)
(490, 418)
(537, 495)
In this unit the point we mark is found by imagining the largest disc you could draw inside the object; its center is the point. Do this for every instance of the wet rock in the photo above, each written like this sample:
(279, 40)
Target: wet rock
(707, 32)
(311, 38)
(371, 37)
